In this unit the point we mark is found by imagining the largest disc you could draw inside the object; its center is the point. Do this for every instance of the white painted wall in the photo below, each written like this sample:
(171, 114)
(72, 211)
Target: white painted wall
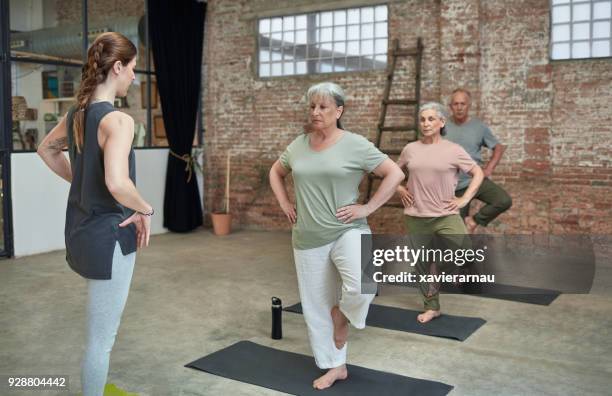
(39, 199)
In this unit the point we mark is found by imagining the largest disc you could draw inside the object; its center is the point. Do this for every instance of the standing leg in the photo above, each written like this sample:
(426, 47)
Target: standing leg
(453, 234)
(421, 230)
(318, 283)
(430, 292)
(106, 301)
(450, 233)
(353, 305)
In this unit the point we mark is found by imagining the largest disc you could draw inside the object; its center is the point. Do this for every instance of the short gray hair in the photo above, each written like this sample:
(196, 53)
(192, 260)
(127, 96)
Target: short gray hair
(440, 112)
(463, 91)
(437, 107)
(327, 89)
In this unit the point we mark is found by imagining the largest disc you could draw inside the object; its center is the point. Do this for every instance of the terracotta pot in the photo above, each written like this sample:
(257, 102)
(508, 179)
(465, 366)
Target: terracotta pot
(222, 223)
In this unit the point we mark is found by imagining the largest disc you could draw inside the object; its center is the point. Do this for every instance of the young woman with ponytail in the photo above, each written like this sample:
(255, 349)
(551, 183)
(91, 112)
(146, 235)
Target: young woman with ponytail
(106, 217)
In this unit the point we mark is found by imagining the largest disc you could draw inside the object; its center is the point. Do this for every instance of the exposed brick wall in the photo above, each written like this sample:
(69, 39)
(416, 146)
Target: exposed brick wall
(70, 11)
(553, 117)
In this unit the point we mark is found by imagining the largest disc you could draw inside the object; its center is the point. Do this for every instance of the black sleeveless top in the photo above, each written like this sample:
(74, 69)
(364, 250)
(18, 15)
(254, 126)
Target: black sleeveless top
(93, 215)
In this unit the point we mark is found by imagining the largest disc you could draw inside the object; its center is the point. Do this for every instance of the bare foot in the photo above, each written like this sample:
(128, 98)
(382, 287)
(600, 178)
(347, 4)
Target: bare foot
(428, 315)
(328, 379)
(341, 327)
(470, 224)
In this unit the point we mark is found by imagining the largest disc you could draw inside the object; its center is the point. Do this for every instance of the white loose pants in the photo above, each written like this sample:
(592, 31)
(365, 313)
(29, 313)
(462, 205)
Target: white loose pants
(327, 276)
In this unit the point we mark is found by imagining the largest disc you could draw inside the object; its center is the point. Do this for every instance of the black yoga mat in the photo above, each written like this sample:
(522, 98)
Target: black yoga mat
(519, 294)
(293, 373)
(538, 299)
(446, 326)
(528, 295)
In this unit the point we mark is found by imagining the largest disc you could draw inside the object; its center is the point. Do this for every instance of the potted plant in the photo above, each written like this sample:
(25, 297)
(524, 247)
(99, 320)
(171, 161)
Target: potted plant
(222, 221)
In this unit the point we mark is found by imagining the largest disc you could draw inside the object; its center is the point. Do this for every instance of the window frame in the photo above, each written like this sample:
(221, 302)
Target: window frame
(85, 45)
(7, 249)
(312, 16)
(570, 23)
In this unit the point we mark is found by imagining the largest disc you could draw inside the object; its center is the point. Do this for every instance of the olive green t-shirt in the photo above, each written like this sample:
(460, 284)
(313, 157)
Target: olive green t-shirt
(325, 181)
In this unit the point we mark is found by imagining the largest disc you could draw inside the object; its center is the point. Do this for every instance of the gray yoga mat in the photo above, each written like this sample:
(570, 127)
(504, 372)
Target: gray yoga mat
(447, 326)
(293, 373)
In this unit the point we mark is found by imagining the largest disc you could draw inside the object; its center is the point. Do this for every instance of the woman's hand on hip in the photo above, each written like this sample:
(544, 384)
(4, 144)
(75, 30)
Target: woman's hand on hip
(405, 196)
(289, 211)
(143, 228)
(346, 214)
(456, 203)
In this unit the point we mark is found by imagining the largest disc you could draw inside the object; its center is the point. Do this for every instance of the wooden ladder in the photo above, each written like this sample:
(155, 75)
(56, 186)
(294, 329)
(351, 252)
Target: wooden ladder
(394, 53)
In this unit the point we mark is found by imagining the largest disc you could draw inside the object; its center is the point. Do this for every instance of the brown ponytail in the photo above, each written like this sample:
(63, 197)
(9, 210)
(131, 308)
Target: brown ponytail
(107, 49)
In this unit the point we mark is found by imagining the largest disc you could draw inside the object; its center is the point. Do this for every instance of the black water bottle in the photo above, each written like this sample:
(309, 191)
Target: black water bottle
(277, 323)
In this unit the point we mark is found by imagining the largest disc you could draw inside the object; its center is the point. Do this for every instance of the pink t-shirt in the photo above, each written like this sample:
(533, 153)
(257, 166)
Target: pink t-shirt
(433, 174)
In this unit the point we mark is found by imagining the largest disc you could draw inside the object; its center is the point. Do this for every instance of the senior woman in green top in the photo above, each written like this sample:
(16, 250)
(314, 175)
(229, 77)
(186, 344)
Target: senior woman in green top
(327, 165)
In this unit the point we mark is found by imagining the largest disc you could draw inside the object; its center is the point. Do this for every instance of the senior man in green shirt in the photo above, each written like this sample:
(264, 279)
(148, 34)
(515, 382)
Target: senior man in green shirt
(327, 165)
(472, 134)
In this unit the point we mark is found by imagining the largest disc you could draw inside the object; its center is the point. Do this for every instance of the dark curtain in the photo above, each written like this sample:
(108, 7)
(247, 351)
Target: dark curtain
(176, 29)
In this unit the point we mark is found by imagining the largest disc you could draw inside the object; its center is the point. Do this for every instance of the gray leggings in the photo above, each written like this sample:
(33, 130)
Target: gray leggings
(105, 302)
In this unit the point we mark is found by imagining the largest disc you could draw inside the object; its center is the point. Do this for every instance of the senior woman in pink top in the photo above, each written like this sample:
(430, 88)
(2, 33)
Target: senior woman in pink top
(430, 205)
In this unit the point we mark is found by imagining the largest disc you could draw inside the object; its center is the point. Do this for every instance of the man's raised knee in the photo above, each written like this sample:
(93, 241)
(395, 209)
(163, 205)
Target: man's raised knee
(505, 203)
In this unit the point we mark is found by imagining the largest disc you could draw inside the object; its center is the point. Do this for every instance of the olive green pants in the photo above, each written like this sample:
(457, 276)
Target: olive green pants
(496, 200)
(422, 231)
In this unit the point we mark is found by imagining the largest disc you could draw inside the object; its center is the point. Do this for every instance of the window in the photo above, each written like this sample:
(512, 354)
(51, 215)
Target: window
(46, 42)
(581, 29)
(323, 42)
(41, 94)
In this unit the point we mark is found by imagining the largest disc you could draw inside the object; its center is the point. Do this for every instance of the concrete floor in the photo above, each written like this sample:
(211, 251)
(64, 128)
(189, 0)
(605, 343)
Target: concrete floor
(194, 294)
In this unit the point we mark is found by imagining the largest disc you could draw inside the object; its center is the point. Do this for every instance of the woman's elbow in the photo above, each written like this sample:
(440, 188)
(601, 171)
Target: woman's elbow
(272, 176)
(396, 175)
(43, 152)
(276, 173)
(114, 185)
(400, 174)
